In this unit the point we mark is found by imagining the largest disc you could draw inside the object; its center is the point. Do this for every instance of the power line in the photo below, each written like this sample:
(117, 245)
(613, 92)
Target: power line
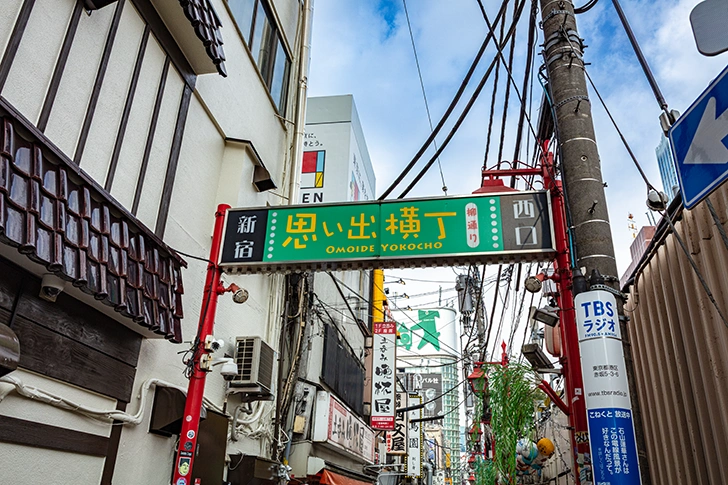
(467, 108)
(424, 94)
(447, 113)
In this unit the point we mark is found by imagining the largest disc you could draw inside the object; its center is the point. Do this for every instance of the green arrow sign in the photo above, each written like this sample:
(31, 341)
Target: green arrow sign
(402, 233)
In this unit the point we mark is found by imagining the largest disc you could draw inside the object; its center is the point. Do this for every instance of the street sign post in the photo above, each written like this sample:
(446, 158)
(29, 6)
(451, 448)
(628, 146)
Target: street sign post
(514, 226)
(709, 19)
(699, 140)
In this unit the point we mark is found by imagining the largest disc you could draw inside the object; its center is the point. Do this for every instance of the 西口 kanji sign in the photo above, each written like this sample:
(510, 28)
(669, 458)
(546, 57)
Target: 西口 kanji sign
(490, 228)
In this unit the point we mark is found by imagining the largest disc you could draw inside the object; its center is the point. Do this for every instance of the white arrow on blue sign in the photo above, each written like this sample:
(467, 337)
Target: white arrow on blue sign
(699, 140)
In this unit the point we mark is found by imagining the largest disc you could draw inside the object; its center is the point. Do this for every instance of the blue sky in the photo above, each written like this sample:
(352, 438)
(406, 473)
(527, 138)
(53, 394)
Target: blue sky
(363, 48)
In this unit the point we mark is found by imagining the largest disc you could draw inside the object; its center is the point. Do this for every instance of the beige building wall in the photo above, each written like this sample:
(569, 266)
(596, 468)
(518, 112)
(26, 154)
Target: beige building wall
(211, 169)
(680, 346)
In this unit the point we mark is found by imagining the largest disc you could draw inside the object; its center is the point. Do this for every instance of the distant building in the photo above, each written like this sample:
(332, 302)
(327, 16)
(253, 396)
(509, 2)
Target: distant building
(668, 174)
(637, 250)
(336, 165)
(429, 345)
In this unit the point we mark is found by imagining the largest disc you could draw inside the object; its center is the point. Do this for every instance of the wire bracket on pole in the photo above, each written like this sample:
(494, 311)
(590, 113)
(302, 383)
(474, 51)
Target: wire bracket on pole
(554, 13)
(609, 289)
(570, 99)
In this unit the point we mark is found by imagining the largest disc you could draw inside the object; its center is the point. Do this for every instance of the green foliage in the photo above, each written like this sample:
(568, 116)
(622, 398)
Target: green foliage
(512, 393)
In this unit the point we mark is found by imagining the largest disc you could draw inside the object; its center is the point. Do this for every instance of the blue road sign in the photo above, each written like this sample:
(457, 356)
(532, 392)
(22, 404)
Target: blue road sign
(699, 140)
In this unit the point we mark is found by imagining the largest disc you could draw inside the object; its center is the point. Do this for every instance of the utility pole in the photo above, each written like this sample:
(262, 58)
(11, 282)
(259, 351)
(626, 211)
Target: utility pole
(581, 170)
(200, 361)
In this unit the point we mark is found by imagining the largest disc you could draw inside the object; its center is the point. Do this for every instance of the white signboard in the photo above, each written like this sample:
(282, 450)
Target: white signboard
(337, 426)
(383, 375)
(397, 438)
(414, 439)
(609, 410)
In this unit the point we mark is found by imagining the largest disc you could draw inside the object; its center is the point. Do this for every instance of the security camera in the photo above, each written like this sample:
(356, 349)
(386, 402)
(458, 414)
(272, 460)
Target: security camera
(213, 344)
(51, 286)
(240, 295)
(228, 369)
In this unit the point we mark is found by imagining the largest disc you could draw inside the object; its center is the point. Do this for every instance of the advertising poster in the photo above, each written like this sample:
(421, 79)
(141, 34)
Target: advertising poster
(608, 406)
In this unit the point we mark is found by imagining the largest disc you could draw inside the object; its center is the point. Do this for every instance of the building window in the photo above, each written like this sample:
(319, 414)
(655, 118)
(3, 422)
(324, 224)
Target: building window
(264, 41)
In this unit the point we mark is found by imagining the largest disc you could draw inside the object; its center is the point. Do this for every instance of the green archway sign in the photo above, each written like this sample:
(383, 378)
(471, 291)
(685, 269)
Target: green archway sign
(489, 228)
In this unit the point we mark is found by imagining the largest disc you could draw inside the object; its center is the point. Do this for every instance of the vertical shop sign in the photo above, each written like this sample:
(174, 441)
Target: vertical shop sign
(414, 438)
(397, 438)
(383, 375)
(608, 407)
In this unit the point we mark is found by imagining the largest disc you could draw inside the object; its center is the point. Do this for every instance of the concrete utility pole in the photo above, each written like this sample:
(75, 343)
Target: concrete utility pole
(581, 169)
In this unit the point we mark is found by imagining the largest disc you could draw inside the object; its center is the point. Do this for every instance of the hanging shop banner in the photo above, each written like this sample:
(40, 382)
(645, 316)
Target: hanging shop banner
(514, 226)
(336, 426)
(414, 438)
(383, 375)
(397, 438)
(609, 410)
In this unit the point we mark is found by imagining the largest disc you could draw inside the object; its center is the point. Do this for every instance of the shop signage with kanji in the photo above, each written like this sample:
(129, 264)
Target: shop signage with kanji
(397, 438)
(383, 376)
(490, 228)
(414, 438)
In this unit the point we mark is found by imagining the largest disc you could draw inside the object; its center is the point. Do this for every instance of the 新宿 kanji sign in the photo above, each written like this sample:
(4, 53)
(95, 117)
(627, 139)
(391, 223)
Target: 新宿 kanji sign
(402, 233)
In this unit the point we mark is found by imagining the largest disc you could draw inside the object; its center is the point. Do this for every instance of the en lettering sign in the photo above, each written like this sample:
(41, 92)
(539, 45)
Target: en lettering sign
(411, 233)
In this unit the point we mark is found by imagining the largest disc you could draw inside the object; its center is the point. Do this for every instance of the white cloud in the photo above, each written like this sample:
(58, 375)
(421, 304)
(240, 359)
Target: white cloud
(354, 51)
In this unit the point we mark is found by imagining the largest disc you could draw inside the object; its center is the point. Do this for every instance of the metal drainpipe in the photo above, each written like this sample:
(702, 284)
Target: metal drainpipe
(428, 475)
(300, 122)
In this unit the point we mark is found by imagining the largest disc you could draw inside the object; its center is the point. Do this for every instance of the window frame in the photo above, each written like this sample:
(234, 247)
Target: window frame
(267, 75)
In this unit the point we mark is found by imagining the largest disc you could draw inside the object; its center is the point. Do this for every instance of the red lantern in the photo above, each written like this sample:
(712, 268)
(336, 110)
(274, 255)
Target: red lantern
(478, 381)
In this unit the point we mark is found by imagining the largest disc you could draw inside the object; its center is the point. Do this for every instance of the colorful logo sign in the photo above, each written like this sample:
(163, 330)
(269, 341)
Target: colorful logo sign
(312, 170)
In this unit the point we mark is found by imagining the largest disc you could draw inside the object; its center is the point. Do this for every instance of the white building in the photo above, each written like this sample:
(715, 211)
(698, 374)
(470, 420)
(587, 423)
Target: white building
(124, 124)
(330, 432)
(429, 351)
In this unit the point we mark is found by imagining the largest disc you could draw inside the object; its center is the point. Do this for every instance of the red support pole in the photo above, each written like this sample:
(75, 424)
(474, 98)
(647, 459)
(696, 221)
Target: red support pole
(571, 358)
(191, 418)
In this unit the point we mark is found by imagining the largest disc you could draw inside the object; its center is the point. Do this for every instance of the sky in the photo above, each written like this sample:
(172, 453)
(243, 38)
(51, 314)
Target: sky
(363, 47)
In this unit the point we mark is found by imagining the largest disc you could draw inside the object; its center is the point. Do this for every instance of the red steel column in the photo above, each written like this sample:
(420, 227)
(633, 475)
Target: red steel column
(570, 359)
(191, 418)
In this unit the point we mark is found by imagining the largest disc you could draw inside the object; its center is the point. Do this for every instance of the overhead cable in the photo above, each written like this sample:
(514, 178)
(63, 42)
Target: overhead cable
(447, 114)
(466, 110)
(641, 58)
(424, 94)
(509, 69)
(526, 77)
(586, 7)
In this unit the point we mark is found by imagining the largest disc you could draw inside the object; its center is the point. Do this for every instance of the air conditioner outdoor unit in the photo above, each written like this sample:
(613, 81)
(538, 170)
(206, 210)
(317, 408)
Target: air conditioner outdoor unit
(255, 360)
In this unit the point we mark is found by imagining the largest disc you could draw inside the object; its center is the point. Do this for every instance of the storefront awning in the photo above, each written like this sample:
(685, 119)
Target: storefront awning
(330, 478)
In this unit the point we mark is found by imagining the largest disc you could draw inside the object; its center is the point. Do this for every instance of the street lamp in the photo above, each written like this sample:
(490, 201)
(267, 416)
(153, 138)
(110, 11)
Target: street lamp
(546, 315)
(475, 433)
(536, 357)
(478, 381)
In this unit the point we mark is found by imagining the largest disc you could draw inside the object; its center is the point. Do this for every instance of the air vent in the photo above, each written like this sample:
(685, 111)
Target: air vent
(254, 359)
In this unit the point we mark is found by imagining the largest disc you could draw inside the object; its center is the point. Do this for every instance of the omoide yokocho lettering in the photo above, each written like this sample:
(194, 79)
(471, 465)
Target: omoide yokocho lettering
(410, 247)
(384, 248)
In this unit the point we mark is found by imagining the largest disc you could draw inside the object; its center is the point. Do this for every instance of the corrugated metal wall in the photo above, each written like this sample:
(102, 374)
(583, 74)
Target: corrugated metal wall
(680, 348)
